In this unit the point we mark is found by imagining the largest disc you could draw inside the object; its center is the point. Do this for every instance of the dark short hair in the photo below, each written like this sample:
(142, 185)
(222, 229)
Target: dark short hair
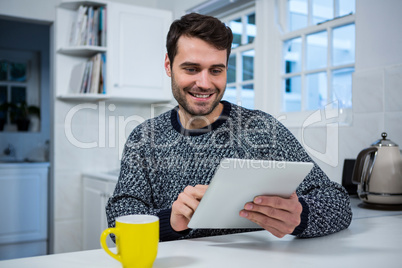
(206, 28)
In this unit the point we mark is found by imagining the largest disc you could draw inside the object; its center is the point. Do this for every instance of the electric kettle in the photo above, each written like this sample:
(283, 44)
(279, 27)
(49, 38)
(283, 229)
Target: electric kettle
(378, 173)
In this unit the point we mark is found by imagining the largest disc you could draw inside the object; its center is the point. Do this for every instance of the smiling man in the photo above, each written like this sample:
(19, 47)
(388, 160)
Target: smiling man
(168, 161)
(198, 75)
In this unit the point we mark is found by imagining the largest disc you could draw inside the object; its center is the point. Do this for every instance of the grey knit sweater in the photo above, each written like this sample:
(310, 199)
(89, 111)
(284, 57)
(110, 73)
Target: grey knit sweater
(161, 158)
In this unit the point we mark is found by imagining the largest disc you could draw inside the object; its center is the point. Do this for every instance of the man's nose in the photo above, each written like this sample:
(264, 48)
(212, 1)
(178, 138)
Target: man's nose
(204, 80)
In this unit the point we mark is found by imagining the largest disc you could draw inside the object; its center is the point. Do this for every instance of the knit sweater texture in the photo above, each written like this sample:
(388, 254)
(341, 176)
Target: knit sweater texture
(161, 158)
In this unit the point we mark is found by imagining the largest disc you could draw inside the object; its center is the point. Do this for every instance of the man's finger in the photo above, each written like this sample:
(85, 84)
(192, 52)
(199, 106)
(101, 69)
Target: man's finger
(278, 202)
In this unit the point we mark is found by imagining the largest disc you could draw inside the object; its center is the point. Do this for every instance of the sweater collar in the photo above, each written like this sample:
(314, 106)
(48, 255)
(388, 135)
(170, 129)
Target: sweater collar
(174, 118)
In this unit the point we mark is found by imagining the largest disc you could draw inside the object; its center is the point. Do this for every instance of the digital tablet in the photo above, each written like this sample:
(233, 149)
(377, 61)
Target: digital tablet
(238, 181)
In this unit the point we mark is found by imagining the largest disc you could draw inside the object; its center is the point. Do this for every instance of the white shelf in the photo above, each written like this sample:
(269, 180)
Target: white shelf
(133, 99)
(84, 96)
(128, 57)
(73, 4)
(100, 97)
(82, 51)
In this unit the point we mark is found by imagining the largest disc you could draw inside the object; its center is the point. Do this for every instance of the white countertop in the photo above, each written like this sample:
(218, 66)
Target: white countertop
(363, 210)
(374, 239)
(22, 164)
(112, 175)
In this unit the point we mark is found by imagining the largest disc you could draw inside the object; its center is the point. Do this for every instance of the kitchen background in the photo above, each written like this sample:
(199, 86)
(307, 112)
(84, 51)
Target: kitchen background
(377, 104)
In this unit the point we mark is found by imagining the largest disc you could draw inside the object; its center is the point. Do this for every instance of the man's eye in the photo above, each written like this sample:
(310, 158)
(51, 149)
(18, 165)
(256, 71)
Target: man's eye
(216, 71)
(190, 70)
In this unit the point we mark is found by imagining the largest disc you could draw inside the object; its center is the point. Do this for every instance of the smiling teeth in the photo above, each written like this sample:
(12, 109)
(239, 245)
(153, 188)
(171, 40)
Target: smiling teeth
(201, 96)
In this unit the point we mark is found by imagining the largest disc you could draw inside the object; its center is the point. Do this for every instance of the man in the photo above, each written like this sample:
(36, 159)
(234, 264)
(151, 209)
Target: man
(168, 161)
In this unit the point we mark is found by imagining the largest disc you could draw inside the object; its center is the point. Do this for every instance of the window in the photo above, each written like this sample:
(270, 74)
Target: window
(13, 76)
(318, 55)
(19, 85)
(240, 84)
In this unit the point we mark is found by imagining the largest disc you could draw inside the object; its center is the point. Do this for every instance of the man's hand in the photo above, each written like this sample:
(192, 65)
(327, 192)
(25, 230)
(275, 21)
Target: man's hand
(183, 208)
(279, 216)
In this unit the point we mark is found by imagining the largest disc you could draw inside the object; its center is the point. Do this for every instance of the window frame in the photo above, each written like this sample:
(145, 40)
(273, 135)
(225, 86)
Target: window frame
(297, 118)
(303, 33)
(237, 51)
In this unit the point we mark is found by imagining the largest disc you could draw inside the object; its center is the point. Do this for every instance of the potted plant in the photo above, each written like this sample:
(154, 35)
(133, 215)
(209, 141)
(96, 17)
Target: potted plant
(20, 113)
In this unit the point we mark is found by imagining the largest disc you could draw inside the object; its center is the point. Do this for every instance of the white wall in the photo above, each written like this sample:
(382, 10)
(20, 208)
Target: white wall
(378, 34)
(178, 7)
(377, 85)
(38, 10)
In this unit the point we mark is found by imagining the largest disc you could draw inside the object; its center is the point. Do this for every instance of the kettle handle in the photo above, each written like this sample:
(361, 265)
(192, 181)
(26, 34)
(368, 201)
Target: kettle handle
(358, 168)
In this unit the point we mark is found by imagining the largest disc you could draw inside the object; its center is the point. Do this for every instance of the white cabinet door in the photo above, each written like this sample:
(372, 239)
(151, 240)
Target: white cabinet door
(95, 195)
(136, 41)
(23, 209)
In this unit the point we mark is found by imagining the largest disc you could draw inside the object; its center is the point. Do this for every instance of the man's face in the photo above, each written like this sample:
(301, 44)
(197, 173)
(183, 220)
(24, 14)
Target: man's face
(198, 76)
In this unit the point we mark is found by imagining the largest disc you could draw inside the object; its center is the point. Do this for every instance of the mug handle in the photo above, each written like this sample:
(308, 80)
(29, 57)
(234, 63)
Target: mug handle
(103, 237)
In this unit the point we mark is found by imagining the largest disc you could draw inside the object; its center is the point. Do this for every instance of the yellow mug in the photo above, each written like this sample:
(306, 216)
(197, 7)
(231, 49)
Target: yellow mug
(137, 238)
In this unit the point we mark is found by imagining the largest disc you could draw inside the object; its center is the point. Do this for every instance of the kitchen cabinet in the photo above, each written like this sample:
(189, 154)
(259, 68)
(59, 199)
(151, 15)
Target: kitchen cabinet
(137, 39)
(23, 209)
(134, 53)
(97, 188)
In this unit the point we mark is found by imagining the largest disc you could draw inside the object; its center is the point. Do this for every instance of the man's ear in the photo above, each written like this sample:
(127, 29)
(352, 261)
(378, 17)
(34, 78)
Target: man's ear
(167, 66)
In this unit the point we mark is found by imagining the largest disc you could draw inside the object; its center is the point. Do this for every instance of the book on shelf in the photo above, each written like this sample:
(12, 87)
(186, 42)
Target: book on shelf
(89, 76)
(77, 26)
(96, 73)
(89, 27)
(102, 84)
(81, 32)
(87, 73)
(102, 26)
(77, 76)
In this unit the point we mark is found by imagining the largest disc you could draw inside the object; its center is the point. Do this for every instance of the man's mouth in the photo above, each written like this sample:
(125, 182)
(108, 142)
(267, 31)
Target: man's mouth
(201, 96)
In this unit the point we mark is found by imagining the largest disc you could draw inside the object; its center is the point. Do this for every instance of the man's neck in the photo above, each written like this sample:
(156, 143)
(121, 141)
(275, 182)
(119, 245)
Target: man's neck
(189, 121)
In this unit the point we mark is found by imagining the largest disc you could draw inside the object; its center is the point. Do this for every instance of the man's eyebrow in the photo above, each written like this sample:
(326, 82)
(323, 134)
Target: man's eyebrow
(221, 65)
(188, 63)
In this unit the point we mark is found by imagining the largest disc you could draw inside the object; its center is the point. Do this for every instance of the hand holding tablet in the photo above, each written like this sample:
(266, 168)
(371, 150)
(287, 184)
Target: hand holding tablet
(239, 181)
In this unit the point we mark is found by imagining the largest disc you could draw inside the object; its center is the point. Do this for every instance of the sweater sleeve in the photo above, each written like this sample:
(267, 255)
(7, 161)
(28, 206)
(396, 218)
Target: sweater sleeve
(133, 191)
(326, 204)
(303, 218)
(166, 232)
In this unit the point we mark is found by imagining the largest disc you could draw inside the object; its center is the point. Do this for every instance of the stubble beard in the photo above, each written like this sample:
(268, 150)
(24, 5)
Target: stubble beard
(180, 97)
